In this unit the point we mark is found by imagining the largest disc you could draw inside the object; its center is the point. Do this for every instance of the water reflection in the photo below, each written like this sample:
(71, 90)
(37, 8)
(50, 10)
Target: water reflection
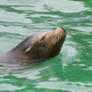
(65, 86)
(86, 3)
(9, 87)
(31, 76)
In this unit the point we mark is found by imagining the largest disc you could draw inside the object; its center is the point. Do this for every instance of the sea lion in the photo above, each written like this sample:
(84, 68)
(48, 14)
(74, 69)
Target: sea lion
(36, 48)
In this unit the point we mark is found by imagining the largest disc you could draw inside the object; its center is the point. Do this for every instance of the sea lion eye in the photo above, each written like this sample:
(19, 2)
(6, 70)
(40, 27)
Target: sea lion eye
(42, 38)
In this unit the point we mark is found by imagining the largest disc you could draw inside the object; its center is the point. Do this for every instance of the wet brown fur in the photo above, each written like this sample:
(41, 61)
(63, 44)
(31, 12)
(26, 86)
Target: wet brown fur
(37, 47)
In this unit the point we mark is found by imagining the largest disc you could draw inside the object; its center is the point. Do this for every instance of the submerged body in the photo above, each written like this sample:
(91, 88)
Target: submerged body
(36, 48)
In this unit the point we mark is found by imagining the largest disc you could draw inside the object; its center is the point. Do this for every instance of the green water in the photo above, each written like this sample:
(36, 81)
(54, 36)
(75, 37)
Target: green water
(71, 70)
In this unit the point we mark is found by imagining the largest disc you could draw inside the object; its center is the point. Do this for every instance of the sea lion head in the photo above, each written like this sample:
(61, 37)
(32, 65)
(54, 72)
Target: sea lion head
(45, 45)
(41, 46)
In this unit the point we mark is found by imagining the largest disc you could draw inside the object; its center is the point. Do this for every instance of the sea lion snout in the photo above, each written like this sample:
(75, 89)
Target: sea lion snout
(61, 29)
(61, 32)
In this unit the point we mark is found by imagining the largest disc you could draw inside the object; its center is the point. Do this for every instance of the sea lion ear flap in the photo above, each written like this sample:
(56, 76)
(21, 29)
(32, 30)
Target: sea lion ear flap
(27, 49)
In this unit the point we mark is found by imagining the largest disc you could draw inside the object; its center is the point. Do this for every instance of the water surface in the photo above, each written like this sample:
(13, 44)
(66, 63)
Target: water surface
(71, 70)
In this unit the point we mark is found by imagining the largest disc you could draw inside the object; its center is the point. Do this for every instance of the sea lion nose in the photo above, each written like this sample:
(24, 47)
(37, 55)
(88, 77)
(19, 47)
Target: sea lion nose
(63, 29)
(60, 30)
